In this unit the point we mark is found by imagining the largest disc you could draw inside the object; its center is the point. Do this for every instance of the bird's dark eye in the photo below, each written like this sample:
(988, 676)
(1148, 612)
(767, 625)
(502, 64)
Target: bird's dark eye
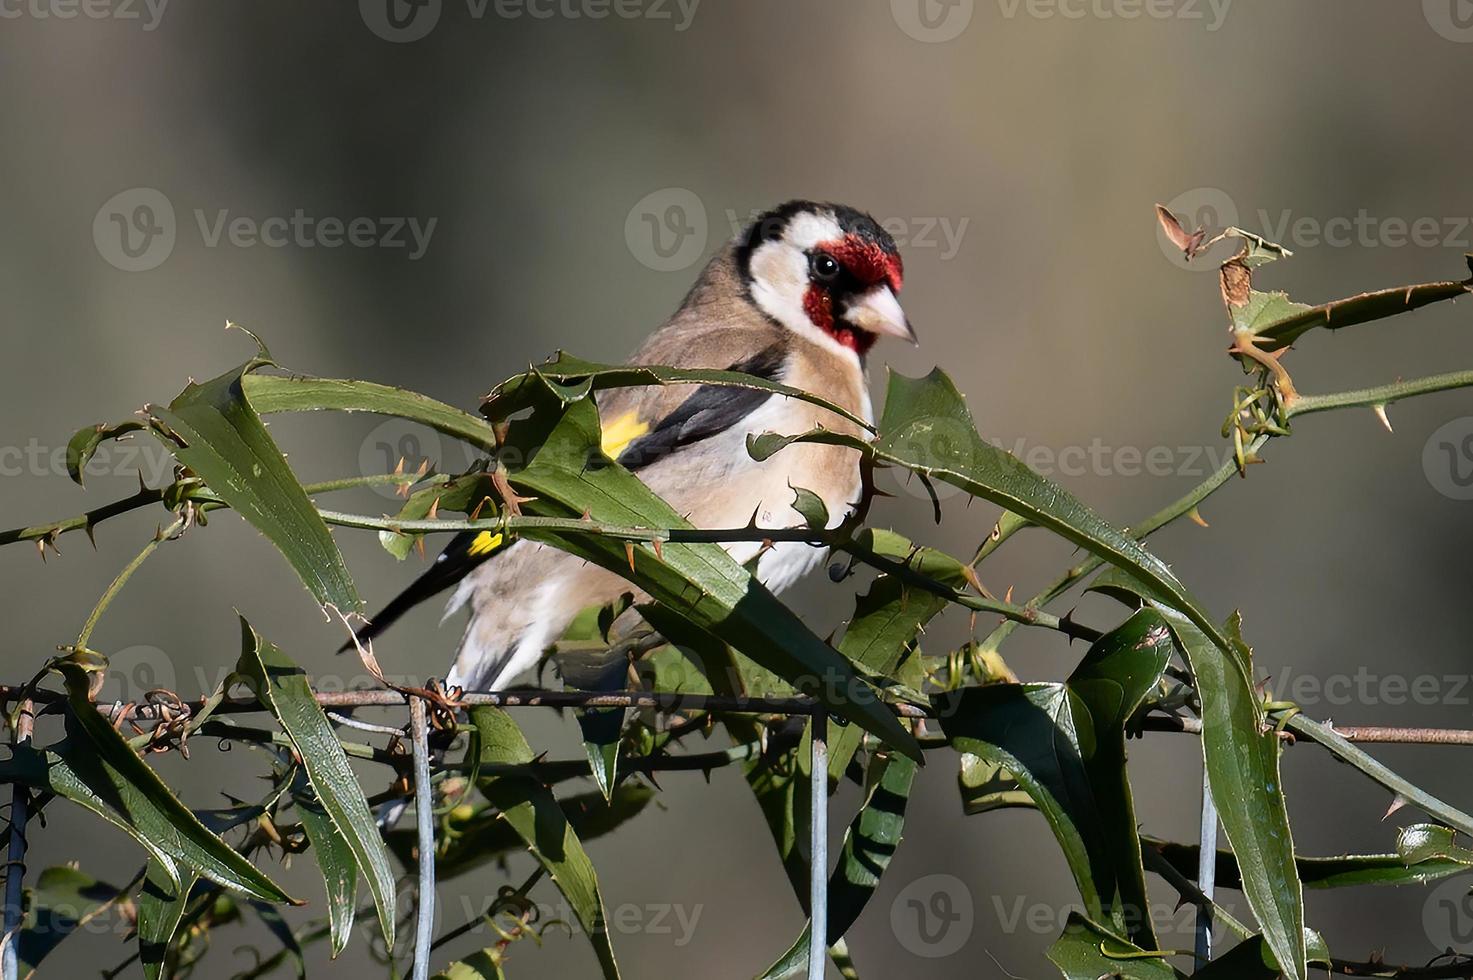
(824, 268)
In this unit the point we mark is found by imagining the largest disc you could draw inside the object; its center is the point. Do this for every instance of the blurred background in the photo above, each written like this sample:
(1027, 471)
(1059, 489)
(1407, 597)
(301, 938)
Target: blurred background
(434, 194)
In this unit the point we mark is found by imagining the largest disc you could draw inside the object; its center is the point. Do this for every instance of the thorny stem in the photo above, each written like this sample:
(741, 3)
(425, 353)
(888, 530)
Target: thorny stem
(147, 496)
(163, 535)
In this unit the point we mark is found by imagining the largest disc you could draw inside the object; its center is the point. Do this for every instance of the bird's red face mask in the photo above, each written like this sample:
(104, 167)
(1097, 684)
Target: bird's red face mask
(851, 294)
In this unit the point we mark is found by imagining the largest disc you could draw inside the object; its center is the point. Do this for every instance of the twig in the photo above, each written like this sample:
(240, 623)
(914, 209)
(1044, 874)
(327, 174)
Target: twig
(425, 824)
(122, 579)
(1382, 394)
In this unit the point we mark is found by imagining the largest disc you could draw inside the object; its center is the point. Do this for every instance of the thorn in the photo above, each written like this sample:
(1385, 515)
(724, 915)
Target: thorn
(1197, 518)
(399, 470)
(41, 548)
(424, 467)
(752, 521)
(659, 549)
(476, 514)
(419, 545)
(91, 530)
(970, 574)
(1380, 411)
(1009, 596)
(972, 622)
(434, 510)
(629, 553)
(587, 515)
(1397, 802)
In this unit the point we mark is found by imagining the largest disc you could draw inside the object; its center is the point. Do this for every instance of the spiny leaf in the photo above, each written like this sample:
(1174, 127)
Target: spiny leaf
(533, 812)
(213, 429)
(283, 687)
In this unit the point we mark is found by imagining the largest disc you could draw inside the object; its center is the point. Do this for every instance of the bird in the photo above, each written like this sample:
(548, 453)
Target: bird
(799, 297)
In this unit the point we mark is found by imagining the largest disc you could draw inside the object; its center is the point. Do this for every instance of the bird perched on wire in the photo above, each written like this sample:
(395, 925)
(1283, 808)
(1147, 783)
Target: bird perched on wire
(798, 298)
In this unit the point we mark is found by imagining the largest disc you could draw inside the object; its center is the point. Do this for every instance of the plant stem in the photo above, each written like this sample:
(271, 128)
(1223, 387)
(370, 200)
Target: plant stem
(1381, 394)
(122, 580)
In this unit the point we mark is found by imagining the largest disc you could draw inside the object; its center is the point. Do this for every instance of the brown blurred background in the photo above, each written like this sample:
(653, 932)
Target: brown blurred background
(567, 174)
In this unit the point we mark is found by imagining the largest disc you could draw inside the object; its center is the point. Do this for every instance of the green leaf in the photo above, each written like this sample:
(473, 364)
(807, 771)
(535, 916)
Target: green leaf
(269, 393)
(1112, 681)
(987, 786)
(810, 506)
(482, 965)
(62, 900)
(700, 581)
(96, 768)
(1424, 853)
(869, 845)
(83, 446)
(1363, 308)
(571, 379)
(1252, 959)
(213, 429)
(533, 812)
(1088, 951)
(336, 861)
(476, 836)
(1065, 745)
(161, 903)
(887, 619)
(1242, 760)
(1263, 310)
(284, 688)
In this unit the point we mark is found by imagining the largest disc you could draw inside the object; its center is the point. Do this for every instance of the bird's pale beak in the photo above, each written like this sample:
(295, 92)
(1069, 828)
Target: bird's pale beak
(879, 312)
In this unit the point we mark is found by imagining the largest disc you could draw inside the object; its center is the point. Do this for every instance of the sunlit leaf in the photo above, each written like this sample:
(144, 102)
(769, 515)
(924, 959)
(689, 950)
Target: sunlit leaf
(212, 428)
(284, 688)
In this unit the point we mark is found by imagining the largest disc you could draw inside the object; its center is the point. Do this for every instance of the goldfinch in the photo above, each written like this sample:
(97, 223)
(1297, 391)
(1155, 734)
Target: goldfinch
(798, 298)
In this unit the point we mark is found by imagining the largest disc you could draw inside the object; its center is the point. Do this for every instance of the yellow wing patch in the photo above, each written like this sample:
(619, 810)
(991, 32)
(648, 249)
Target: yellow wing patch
(620, 432)
(485, 543)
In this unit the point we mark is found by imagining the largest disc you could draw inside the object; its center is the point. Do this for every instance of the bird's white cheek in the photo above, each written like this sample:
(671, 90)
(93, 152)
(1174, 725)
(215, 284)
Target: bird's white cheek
(779, 278)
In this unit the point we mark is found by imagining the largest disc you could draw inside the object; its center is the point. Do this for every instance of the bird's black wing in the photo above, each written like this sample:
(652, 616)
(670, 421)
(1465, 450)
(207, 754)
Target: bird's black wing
(708, 411)
(464, 552)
